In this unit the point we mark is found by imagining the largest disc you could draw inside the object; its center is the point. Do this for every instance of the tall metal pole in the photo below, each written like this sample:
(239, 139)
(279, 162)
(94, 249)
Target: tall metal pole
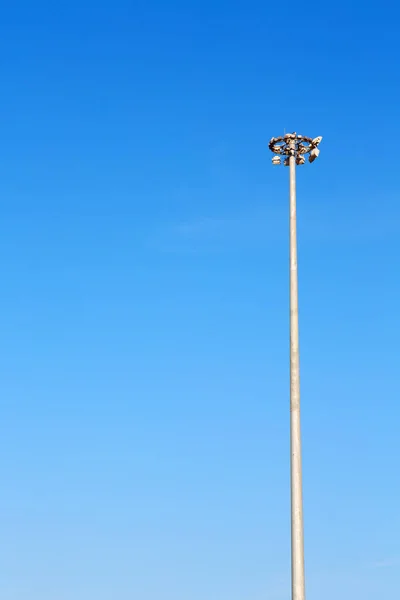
(293, 148)
(298, 578)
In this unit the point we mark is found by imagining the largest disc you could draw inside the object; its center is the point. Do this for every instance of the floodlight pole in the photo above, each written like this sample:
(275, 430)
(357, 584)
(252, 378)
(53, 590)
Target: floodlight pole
(293, 148)
(297, 525)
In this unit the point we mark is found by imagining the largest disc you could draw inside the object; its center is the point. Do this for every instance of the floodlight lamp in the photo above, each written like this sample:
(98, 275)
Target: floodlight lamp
(313, 154)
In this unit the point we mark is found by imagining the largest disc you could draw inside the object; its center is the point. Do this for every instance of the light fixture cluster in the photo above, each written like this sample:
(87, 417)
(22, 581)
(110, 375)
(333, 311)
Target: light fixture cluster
(292, 144)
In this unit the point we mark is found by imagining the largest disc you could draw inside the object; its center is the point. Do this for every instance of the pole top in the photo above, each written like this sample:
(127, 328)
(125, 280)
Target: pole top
(293, 144)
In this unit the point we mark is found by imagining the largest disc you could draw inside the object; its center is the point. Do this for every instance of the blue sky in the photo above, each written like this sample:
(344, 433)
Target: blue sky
(144, 305)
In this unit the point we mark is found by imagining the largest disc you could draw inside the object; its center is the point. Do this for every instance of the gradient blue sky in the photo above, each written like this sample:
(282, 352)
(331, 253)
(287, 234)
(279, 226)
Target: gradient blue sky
(144, 299)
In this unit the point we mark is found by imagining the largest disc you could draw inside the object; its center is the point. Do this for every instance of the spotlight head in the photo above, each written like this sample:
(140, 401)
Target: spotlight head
(317, 141)
(300, 160)
(286, 162)
(276, 160)
(313, 155)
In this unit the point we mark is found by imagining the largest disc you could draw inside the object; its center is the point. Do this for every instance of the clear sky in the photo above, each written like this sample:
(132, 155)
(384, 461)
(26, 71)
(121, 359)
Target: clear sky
(144, 299)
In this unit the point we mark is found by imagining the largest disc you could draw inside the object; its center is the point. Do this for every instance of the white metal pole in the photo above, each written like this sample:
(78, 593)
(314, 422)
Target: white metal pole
(298, 577)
